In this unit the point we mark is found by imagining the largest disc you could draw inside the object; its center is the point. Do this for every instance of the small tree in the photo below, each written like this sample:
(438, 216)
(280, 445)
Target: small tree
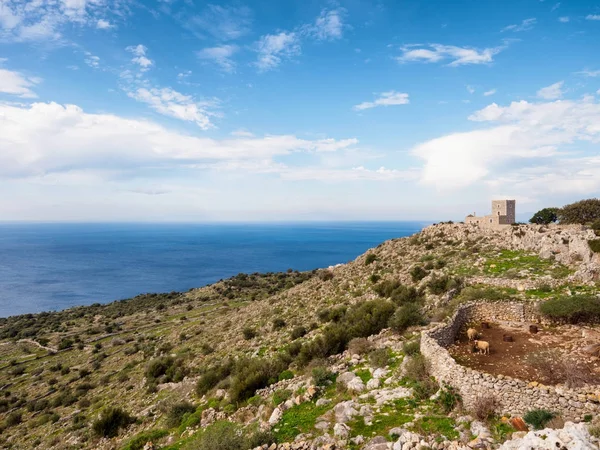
(545, 216)
(583, 211)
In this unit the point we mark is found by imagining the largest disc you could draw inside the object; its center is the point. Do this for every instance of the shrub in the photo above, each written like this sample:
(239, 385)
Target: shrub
(285, 375)
(211, 376)
(371, 258)
(379, 357)
(596, 227)
(572, 309)
(249, 333)
(417, 273)
(281, 395)
(325, 275)
(538, 418)
(165, 369)
(411, 348)
(485, 407)
(374, 278)
(359, 346)
(111, 420)
(594, 245)
(583, 211)
(417, 368)
(176, 413)
(250, 374)
(140, 440)
(222, 435)
(545, 216)
(14, 419)
(439, 285)
(298, 332)
(65, 343)
(321, 376)
(278, 324)
(406, 316)
(448, 399)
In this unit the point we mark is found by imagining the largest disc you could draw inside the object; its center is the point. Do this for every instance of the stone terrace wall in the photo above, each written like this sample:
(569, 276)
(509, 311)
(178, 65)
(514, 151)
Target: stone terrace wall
(515, 396)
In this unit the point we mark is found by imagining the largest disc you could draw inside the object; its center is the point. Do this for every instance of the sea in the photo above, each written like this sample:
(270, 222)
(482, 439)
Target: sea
(49, 267)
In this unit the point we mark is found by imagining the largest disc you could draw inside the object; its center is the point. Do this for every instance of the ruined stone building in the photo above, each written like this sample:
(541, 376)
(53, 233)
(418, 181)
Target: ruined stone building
(503, 213)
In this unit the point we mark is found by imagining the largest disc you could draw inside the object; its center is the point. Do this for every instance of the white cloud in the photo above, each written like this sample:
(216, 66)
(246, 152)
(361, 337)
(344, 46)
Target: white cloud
(328, 26)
(593, 17)
(45, 138)
(92, 60)
(555, 7)
(589, 73)
(525, 25)
(139, 56)
(385, 99)
(524, 145)
(458, 55)
(15, 83)
(552, 92)
(564, 19)
(273, 48)
(470, 89)
(171, 103)
(103, 24)
(37, 20)
(222, 22)
(490, 92)
(219, 55)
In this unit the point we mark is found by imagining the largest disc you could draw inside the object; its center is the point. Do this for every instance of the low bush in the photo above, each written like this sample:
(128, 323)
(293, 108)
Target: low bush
(448, 399)
(321, 376)
(417, 368)
(285, 375)
(176, 412)
(406, 316)
(298, 332)
(13, 419)
(165, 369)
(442, 284)
(280, 396)
(278, 324)
(111, 421)
(212, 375)
(594, 245)
(325, 275)
(359, 346)
(379, 357)
(140, 440)
(222, 435)
(572, 309)
(249, 333)
(417, 273)
(250, 374)
(370, 258)
(485, 407)
(411, 348)
(538, 418)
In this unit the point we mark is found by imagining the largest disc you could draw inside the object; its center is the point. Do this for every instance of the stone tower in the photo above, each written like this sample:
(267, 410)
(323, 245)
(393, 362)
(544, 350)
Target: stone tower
(505, 209)
(503, 213)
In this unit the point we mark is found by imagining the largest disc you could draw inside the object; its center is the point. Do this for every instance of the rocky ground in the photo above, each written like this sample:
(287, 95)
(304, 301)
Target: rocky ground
(61, 372)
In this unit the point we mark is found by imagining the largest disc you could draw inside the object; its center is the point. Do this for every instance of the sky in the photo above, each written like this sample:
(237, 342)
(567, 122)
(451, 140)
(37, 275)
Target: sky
(182, 110)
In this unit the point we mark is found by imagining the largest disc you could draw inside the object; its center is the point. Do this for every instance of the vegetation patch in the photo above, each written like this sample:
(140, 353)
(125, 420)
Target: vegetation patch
(437, 426)
(572, 309)
(298, 419)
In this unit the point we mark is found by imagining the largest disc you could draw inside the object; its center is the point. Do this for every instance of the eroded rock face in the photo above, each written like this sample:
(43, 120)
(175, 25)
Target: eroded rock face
(571, 437)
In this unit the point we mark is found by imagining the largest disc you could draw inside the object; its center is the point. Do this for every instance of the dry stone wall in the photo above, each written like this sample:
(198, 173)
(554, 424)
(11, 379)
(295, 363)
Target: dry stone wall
(514, 396)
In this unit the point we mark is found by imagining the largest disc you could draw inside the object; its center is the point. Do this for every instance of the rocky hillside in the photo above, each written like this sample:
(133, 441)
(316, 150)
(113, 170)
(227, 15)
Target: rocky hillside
(324, 359)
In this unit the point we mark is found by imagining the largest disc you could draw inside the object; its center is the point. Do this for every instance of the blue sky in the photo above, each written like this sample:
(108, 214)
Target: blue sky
(295, 110)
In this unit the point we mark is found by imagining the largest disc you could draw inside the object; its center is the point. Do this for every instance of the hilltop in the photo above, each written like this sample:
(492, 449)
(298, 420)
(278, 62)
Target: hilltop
(323, 358)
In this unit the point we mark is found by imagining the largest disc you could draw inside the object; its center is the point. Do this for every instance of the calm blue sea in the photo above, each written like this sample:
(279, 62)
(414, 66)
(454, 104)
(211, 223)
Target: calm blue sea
(55, 266)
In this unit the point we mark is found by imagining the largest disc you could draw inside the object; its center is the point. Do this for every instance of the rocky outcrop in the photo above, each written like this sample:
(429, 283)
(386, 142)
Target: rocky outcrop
(571, 437)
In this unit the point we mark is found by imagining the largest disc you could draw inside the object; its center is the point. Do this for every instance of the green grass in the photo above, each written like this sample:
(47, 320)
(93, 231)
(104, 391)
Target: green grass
(390, 416)
(298, 419)
(437, 425)
(138, 442)
(516, 260)
(364, 375)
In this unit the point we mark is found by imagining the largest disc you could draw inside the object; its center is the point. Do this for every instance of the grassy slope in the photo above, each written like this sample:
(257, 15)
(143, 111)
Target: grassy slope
(110, 345)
